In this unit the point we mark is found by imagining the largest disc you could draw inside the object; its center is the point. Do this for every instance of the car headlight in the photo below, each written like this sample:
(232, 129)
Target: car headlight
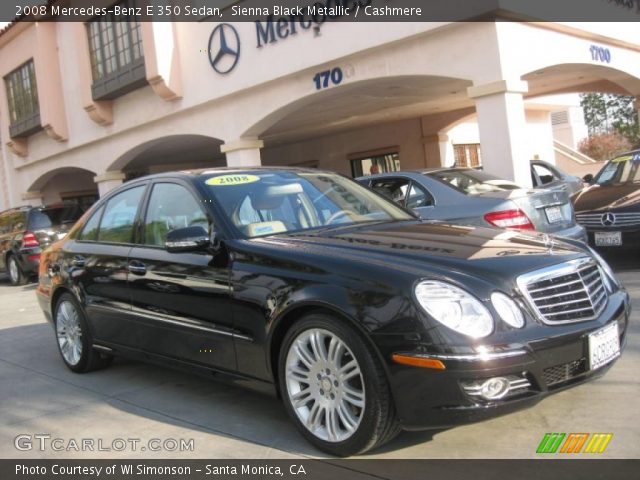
(507, 309)
(454, 308)
(610, 277)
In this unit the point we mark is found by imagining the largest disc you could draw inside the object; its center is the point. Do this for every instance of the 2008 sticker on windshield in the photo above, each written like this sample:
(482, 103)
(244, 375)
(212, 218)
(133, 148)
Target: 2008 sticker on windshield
(232, 180)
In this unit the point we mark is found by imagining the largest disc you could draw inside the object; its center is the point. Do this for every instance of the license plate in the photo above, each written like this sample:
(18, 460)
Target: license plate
(604, 346)
(608, 239)
(554, 214)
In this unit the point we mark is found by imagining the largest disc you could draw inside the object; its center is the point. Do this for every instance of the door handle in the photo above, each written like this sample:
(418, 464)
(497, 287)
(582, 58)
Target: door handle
(78, 261)
(137, 268)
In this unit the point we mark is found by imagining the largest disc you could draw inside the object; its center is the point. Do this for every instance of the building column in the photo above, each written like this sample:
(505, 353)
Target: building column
(438, 151)
(502, 126)
(447, 157)
(244, 152)
(35, 198)
(108, 181)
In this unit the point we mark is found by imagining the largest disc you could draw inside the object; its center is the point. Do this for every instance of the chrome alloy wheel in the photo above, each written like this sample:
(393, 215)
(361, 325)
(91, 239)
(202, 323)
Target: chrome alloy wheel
(325, 385)
(69, 332)
(14, 273)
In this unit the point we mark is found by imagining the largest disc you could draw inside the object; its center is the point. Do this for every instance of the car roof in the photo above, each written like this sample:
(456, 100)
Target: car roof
(631, 152)
(213, 171)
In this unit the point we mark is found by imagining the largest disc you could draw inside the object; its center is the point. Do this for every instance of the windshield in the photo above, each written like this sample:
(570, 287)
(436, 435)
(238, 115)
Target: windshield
(623, 169)
(473, 182)
(268, 202)
(48, 217)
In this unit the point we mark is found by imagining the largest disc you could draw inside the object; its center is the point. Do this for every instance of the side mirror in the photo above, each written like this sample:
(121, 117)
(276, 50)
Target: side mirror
(189, 239)
(588, 178)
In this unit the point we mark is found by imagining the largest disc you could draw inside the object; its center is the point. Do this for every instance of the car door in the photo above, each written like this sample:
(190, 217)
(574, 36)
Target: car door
(96, 262)
(181, 301)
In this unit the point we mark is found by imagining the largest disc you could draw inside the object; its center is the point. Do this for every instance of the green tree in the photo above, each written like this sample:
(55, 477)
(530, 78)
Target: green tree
(606, 113)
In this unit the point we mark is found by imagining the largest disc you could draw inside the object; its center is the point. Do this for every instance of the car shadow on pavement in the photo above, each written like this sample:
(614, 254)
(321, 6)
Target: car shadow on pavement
(37, 387)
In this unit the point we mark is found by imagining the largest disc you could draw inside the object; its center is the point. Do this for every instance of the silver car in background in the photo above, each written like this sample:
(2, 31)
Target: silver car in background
(473, 197)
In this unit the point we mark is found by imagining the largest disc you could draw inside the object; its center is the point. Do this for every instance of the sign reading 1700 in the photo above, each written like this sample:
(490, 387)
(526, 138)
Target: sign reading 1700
(276, 28)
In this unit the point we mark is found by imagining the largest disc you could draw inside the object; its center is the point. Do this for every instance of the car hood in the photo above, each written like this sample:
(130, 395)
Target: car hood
(414, 245)
(605, 197)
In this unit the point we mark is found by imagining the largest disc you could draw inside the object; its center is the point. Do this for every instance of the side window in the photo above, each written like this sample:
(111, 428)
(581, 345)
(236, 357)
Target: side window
(394, 188)
(171, 206)
(544, 174)
(120, 213)
(90, 229)
(418, 197)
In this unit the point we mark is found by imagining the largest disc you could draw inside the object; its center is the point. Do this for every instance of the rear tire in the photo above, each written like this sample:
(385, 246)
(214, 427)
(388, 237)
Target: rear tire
(334, 387)
(74, 339)
(16, 275)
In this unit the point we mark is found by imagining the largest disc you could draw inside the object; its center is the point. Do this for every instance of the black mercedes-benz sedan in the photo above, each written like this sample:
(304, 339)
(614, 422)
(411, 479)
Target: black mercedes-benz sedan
(363, 318)
(610, 207)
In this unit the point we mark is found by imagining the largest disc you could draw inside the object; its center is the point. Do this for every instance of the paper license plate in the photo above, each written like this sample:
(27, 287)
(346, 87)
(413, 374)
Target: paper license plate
(604, 346)
(554, 214)
(608, 239)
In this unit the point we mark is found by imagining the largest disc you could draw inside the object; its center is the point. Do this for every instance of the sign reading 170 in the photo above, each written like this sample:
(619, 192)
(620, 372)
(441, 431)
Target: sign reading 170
(600, 54)
(326, 78)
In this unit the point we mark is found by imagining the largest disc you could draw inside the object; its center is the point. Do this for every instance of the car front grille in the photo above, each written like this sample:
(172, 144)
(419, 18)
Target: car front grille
(565, 372)
(569, 292)
(609, 219)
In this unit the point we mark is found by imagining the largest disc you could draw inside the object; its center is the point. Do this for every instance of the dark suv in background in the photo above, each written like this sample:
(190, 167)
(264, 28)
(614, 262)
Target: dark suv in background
(26, 231)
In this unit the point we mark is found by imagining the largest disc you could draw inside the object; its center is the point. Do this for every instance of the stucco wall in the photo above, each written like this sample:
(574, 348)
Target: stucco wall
(333, 152)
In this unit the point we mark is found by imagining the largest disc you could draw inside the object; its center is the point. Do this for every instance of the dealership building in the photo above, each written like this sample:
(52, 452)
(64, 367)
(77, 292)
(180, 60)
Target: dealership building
(87, 105)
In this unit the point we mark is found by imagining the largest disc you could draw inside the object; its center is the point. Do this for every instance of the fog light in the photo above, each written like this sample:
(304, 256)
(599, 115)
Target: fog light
(494, 388)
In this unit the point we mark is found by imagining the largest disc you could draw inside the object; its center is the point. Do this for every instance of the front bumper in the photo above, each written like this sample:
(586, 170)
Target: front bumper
(428, 398)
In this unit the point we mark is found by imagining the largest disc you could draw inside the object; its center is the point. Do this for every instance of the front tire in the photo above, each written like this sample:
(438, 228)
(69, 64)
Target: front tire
(334, 387)
(74, 339)
(16, 275)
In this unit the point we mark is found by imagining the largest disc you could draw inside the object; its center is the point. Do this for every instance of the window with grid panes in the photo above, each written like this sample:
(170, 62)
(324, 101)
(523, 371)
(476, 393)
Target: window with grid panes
(22, 99)
(117, 58)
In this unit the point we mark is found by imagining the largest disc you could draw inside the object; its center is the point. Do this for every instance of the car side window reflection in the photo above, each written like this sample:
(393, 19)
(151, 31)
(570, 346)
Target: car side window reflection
(544, 174)
(418, 197)
(117, 222)
(171, 206)
(90, 229)
(393, 188)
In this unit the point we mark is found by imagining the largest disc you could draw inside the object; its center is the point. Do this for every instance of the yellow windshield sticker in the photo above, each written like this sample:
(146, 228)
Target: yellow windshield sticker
(626, 158)
(239, 179)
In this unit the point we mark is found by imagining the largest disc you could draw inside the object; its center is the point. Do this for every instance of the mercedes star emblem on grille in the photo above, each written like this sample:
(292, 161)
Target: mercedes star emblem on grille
(608, 219)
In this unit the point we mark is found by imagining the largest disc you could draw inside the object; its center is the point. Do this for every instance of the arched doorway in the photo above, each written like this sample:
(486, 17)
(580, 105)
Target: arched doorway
(349, 128)
(65, 184)
(173, 152)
